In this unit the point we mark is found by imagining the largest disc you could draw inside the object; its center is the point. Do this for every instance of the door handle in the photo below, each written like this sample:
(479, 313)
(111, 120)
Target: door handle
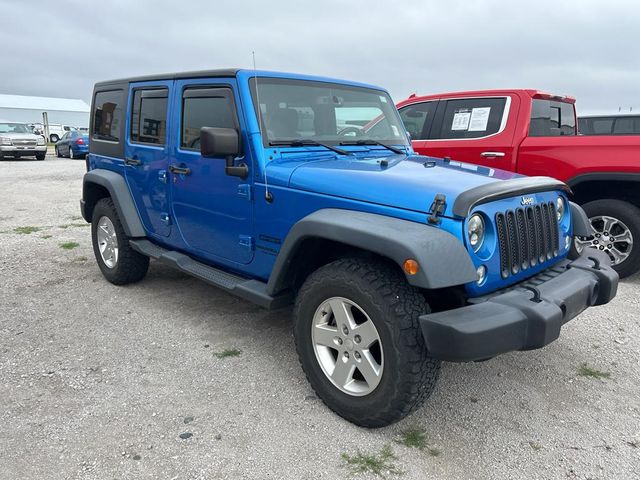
(492, 154)
(179, 170)
(134, 162)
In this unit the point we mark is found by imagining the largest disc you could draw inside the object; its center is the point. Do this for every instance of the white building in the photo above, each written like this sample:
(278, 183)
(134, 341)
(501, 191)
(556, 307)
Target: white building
(66, 111)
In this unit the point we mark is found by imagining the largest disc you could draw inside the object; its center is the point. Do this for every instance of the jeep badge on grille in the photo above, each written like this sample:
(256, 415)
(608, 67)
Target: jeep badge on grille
(527, 201)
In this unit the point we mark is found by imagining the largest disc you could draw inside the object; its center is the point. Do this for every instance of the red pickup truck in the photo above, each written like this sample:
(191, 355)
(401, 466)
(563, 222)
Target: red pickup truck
(534, 133)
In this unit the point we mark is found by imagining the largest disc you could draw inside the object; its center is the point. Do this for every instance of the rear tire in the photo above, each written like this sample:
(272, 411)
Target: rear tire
(40, 156)
(120, 264)
(623, 218)
(369, 291)
(54, 138)
(58, 154)
(71, 155)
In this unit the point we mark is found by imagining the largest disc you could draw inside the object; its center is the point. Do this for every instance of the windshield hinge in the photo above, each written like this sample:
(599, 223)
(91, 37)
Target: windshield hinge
(437, 208)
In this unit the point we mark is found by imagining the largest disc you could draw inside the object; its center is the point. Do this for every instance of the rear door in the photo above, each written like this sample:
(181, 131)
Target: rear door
(475, 129)
(213, 210)
(146, 154)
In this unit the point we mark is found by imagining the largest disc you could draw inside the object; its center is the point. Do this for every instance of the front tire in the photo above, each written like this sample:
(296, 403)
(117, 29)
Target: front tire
(120, 264)
(40, 156)
(616, 227)
(359, 341)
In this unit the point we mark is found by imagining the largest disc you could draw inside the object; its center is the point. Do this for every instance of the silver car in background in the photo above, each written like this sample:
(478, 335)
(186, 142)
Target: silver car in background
(18, 140)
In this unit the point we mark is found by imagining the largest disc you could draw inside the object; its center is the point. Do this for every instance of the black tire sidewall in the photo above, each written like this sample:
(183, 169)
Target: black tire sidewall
(627, 213)
(347, 403)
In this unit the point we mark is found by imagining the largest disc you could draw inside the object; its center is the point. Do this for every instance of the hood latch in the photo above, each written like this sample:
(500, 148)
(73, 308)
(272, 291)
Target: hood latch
(438, 207)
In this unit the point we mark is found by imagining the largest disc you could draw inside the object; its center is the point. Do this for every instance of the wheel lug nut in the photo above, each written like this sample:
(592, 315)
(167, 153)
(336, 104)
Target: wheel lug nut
(339, 340)
(357, 339)
(357, 355)
(346, 355)
(345, 330)
(609, 246)
(597, 235)
(601, 247)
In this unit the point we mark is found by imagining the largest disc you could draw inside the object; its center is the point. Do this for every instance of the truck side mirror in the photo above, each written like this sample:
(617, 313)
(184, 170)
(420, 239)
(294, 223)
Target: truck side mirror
(223, 142)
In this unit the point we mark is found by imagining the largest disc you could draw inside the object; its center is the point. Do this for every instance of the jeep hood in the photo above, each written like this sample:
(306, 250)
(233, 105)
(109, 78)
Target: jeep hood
(407, 182)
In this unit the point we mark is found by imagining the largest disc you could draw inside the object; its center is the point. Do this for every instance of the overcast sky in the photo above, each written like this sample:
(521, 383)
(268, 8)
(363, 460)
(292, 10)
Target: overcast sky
(587, 49)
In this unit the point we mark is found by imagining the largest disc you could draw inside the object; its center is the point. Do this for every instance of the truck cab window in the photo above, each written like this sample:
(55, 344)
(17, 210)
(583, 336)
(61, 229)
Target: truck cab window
(472, 118)
(417, 119)
(551, 118)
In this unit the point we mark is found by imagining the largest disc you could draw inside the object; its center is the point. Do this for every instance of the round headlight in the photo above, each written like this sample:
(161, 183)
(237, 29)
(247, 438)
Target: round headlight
(475, 231)
(560, 208)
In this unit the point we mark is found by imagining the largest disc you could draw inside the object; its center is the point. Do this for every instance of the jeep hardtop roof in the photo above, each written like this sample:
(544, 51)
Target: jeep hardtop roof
(231, 72)
(533, 93)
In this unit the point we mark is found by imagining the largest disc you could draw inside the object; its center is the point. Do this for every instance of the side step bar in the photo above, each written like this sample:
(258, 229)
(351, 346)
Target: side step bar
(253, 290)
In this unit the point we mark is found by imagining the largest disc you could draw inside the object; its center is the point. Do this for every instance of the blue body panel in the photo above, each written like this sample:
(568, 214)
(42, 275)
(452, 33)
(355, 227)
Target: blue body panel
(226, 221)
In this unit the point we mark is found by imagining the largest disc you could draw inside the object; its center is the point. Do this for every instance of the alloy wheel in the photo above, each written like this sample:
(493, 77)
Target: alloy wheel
(611, 236)
(107, 242)
(347, 346)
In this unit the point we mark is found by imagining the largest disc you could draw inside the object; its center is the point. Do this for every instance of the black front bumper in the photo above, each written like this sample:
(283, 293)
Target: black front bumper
(528, 315)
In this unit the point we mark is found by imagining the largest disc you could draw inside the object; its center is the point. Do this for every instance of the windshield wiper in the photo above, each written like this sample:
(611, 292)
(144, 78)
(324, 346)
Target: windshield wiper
(373, 142)
(303, 142)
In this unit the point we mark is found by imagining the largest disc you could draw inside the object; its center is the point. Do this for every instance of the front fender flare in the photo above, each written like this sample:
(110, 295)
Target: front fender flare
(443, 260)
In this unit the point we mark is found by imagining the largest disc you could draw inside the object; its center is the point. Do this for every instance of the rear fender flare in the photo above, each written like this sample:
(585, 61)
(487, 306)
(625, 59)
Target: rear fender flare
(119, 192)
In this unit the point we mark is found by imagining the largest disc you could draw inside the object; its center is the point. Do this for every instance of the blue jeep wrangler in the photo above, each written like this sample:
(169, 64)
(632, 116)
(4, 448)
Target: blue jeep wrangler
(289, 189)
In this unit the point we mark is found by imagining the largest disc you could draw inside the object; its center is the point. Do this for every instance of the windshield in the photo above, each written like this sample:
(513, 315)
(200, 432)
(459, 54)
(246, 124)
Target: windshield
(325, 112)
(14, 128)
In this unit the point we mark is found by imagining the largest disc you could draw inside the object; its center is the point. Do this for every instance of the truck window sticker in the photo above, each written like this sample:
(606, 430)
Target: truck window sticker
(461, 117)
(479, 119)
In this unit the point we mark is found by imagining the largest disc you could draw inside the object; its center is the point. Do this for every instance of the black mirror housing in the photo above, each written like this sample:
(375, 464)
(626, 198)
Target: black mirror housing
(219, 142)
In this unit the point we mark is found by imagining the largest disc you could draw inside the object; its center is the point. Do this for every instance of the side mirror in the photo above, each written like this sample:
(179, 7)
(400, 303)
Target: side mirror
(219, 142)
(223, 142)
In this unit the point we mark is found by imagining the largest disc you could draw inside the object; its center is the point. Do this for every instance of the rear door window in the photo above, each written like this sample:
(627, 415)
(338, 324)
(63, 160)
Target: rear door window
(205, 107)
(418, 118)
(551, 118)
(626, 126)
(149, 116)
(471, 118)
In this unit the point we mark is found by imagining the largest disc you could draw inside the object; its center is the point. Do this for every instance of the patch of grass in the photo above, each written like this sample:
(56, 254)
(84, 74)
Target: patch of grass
(378, 464)
(228, 352)
(535, 445)
(414, 438)
(46, 236)
(586, 371)
(67, 225)
(69, 245)
(26, 230)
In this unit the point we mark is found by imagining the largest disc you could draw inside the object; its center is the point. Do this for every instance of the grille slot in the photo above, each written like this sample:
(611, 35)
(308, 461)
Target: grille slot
(526, 237)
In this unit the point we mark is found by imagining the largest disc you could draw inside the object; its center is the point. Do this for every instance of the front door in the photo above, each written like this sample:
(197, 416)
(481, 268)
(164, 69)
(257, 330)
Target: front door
(146, 154)
(212, 209)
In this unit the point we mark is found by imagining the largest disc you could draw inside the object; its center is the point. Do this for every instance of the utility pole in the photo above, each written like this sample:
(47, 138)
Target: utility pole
(45, 123)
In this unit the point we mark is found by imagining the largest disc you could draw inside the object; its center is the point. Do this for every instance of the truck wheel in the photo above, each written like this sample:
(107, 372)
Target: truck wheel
(359, 342)
(54, 138)
(40, 156)
(616, 231)
(119, 263)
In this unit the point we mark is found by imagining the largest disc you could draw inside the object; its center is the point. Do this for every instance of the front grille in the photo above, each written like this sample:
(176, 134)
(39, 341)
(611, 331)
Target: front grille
(19, 142)
(526, 237)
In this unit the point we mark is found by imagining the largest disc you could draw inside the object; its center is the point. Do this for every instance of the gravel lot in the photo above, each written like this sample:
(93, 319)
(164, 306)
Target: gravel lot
(98, 381)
